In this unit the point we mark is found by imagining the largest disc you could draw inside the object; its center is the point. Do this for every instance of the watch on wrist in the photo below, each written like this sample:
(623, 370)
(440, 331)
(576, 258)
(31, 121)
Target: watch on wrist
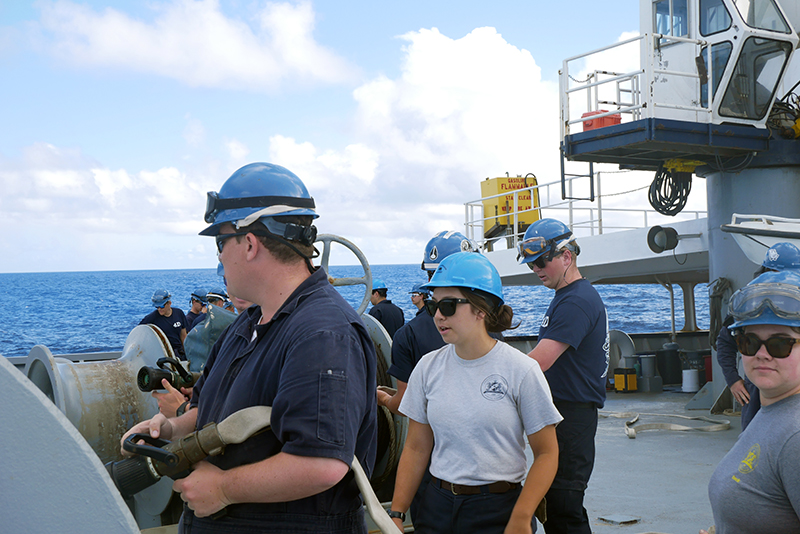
(399, 515)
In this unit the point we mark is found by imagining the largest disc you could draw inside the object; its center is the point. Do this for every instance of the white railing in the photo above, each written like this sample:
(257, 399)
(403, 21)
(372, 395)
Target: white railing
(634, 96)
(582, 216)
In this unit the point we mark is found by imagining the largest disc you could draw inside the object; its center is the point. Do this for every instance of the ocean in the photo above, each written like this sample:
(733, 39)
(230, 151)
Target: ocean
(79, 312)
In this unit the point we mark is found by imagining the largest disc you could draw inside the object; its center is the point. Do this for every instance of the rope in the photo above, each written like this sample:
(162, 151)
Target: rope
(715, 426)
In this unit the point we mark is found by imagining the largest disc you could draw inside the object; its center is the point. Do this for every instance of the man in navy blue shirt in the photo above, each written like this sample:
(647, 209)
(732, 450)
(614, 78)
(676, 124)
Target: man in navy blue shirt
(572, 350)
(388, 314)
(199, 302)
(171, 321)
(300, 349)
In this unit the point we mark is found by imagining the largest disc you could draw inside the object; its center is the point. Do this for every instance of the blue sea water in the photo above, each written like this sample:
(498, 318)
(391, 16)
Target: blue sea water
(79, 312)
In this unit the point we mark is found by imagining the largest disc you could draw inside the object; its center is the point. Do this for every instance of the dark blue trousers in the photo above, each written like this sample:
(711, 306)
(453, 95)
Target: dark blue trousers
(575, 434)
(277, 523)
(441, 512)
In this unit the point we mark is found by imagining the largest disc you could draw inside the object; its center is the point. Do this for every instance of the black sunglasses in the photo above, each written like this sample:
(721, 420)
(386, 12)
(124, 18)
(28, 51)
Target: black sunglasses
(777, 347)
(543, 260)
(221, 238)
(446, 306)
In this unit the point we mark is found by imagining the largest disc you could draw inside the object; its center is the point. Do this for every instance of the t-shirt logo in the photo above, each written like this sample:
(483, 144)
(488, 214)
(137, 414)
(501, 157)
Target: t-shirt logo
(176, 324)
(750, 461)
(494, 387)
(545, 321)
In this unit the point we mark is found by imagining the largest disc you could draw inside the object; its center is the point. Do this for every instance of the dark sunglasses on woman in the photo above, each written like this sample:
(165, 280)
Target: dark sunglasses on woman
(446, 306)
(777, 347)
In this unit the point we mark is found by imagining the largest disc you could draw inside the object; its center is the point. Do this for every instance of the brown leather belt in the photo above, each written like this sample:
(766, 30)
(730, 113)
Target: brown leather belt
(461, 489)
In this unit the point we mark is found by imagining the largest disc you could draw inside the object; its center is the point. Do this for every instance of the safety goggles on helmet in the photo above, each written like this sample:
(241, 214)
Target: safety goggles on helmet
(536, 246)
(777, 347)
(214, 204)
(446, 306)
(753, 300)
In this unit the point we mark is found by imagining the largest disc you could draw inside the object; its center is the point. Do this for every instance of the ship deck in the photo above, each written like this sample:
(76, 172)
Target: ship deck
(661, 477)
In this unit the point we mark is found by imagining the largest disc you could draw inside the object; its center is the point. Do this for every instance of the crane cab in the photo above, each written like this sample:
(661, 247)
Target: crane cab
(706, 80)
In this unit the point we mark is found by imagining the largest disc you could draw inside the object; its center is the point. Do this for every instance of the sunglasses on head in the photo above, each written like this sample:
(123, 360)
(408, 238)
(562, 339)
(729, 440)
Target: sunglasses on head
(777, 347)
(447, 306)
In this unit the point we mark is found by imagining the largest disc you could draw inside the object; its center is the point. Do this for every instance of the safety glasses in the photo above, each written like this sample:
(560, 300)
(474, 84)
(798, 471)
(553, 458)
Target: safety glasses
(531, 247)
(777, 347)
(447, 306)
(751, 301)
(221, 238)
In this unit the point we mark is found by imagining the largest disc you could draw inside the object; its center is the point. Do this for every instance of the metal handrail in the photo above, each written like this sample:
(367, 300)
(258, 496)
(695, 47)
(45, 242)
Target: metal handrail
(595, 222)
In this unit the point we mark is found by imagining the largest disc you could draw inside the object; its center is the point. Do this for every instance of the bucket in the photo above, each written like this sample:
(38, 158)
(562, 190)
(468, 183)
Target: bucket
(691, 380)
(669, 365)
(648, 365)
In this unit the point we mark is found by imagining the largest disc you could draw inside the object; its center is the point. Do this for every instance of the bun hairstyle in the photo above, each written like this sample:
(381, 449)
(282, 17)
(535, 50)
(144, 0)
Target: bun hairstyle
(498, 318)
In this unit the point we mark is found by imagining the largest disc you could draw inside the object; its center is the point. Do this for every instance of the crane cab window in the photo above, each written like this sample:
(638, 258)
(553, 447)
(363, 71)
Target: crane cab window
(714, 17)
(762, 14)
(671, 18)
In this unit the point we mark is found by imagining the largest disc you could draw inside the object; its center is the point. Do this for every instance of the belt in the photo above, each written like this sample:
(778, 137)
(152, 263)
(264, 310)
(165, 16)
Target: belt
(461, 489)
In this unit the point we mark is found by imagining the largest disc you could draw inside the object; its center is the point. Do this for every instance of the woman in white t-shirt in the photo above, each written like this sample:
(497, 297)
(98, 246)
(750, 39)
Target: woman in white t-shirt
(470, 405)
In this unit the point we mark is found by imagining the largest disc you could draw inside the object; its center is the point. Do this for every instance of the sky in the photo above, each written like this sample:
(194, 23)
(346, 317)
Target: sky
(118, 117)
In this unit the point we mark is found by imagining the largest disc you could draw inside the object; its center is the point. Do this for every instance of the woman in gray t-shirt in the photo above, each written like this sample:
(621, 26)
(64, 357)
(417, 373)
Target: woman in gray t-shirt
(756, 487)
(470, 405)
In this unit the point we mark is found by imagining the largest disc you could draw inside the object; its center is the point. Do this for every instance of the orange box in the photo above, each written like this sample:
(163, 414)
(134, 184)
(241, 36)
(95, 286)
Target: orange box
(602, 122)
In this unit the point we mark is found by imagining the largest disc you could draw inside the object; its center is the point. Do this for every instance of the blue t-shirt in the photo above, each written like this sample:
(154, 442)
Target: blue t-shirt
(315, 364)
(171, 326)
(577, 317)
(389, 315)
(414, 340)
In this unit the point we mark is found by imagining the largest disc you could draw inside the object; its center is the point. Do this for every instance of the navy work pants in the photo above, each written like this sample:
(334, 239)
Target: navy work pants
(575, 434)
(441, 512)
(274, 523)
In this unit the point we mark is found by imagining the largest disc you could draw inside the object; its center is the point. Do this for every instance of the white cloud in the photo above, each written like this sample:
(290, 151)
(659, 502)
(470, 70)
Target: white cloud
(195, 43)
(237, 150)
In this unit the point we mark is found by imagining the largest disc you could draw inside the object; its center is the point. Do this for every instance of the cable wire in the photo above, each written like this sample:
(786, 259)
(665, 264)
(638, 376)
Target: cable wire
(669, 191)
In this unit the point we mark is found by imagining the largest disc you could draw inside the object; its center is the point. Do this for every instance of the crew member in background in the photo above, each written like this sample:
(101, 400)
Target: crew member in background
(420, 336)
(779, 257)
(418, 296)
(198, 302)
(388, 314)
(573, 353)
(216, 297)
(171, 321)
(301, 349)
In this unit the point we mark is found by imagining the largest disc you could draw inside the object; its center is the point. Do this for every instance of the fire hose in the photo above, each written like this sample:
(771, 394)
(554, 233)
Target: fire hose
(157, 458)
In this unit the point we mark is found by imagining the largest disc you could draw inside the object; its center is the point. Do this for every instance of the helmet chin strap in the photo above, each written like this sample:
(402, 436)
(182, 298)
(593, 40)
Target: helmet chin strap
(307, 259)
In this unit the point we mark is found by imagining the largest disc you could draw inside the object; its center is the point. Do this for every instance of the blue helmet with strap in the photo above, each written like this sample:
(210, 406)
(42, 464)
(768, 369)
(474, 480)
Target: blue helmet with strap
(377, 283)
(443, 245)
(546, 237)
(771, 298)
(217, 293)
(419, 289)
(199, 294)
(160, 298)
(468, 271)
(782, 256)
(260, 192)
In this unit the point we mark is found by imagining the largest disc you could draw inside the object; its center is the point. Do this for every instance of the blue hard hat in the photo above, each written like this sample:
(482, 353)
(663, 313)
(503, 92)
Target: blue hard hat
(419, 289)
(258, 192)
(469, 271)
(217, 293)
(545, 236)
(199, 294)
(443, 245)
(160, 298)
(782, 256)
(377, 283)
(771, 298)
